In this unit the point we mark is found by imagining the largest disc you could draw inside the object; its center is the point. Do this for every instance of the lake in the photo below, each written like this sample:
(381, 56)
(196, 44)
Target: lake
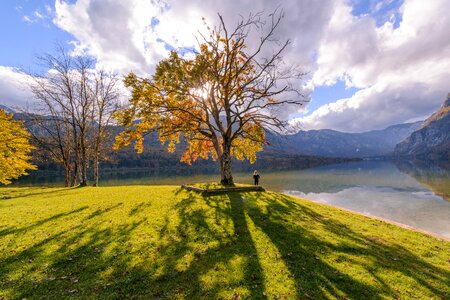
(404, 193)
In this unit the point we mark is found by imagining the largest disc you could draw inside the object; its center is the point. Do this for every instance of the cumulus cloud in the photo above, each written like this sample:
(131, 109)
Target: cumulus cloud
(14, 90)
(135, 35)
(379, 106)
(403, 71)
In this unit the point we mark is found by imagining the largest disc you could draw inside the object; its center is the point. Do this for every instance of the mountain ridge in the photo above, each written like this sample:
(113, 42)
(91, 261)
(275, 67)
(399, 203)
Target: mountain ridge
(332, 143)
(432, 139)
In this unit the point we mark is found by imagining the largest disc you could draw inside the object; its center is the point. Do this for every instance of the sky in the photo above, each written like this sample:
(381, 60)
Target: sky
(369, 63)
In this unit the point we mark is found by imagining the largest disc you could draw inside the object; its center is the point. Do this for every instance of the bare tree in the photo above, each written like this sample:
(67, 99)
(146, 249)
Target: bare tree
(52, 134)
(75, 106)
(105, 94)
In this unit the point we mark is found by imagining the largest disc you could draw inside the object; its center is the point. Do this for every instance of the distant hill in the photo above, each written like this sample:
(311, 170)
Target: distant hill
(7, 109)
(432, 139)
(331, 143)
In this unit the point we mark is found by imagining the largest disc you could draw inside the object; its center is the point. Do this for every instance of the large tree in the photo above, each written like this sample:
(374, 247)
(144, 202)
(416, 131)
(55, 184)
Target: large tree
(220, 101)
(75, 105)
(14, 149)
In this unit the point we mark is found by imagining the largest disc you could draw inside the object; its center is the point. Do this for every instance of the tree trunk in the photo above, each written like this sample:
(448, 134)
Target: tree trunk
(74, 175)
(225, 166)
(84, 162)
(96, 169)
(67, 175)
(83, 173)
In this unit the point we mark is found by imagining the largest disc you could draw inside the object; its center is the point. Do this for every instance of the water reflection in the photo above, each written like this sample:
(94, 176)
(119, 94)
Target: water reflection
(380, 189)
(434, 176)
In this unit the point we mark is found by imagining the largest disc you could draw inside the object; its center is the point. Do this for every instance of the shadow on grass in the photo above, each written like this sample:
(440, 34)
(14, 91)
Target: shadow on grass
(102, 211)
(15, 230)
(138, 208)
(6, 194)
(301, 251)
(203, 248)
(212, 246)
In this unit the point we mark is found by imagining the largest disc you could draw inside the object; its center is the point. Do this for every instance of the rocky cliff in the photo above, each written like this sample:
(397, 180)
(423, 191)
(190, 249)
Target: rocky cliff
(432, 139)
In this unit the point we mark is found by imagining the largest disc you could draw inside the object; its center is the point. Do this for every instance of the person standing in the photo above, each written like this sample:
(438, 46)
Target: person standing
(256, 177)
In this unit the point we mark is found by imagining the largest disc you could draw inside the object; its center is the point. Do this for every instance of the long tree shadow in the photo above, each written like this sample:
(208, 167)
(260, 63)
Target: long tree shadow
(210, 249)
(75, 272)
(138, 208)
(189, 259)
(102, 211)
(15, 230)
(301, 250)
(11, 193)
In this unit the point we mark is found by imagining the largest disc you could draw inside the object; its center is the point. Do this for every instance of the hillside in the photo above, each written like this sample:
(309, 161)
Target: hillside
(432, 139)
(331, 143)
(160, 242)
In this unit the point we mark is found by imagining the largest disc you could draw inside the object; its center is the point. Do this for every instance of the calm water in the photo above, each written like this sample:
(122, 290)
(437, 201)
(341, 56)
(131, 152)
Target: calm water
(417, 197)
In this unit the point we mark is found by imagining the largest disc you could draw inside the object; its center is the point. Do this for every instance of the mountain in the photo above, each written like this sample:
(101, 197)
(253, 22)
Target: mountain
(325, 143)
(331, 143)
(432, 139)
(7, 109)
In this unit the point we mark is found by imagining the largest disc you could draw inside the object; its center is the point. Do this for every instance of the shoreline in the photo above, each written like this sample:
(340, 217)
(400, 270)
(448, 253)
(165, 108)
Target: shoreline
(405, 226)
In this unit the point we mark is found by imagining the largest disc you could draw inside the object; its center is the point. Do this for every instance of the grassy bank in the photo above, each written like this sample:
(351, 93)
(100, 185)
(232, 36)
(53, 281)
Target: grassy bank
(162, 242)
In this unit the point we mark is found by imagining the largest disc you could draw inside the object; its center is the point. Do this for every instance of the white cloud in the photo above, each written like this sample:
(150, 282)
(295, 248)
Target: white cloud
(38, 15)
(120, 33)
(403, 71)
(14, 90)
(379, 106)
(27, 19)
(117, 33)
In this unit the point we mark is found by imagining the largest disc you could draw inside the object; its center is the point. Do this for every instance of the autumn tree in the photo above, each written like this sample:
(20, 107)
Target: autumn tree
(219, 102)
(14, 149)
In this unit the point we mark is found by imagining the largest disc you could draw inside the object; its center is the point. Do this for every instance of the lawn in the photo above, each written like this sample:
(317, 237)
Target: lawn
(164, 242)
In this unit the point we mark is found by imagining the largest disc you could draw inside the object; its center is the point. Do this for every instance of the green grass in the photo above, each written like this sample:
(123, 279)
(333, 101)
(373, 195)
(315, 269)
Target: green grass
(163, 242)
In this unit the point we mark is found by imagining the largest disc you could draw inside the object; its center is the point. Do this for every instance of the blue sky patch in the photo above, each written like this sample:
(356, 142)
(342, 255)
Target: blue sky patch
(30, 32)
(327, 94)
(380, 10)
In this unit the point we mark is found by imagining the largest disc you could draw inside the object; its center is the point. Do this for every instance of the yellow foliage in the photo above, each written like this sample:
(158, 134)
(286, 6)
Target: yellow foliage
(247, 147)
(14, 149)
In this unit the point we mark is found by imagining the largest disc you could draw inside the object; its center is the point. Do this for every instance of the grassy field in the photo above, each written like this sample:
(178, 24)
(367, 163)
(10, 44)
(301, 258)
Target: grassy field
(163, 242)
